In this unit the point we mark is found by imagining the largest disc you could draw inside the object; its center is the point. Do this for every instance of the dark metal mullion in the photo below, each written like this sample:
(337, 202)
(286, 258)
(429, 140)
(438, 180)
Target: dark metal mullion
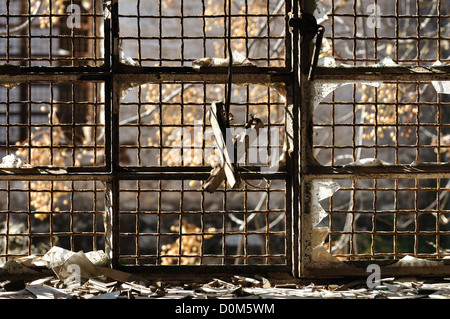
(180, 217)
(302, 97)
(51, 124)
(71, 214)
(29, 33)
(94, 216)
(7, 115)
(113, 188)
(50, 21)
(107, 43)
(294, 129)
(8, 218)
(28, 107)
(73, 115)
(399, 73)
(8, 2)
(182, 48)
(94, 32)
(203, 157)
(160, 32)
(28, 216)
(95, 120)
(137, 220)
(138, 10)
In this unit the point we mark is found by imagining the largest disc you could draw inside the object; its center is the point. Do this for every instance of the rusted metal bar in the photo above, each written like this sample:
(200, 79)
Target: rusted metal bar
(210, 75)
(425, 170)
(397, 73)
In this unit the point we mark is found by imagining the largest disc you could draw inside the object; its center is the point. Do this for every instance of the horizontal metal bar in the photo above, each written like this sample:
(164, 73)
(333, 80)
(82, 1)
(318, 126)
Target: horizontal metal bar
(199, 171)
(359, 268)
(12, 78)
(396, 73)
(144, 75)
(423, 170)
(175, 270)
(199, 212)
(76, 174)
(100, 173)
(198, 16)
(205, 74)
(217, 233)
(59, 233)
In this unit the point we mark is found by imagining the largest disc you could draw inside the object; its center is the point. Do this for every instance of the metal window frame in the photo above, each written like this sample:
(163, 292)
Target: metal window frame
(311, 170)
(114, 75)
(302, 166)
(122, 74)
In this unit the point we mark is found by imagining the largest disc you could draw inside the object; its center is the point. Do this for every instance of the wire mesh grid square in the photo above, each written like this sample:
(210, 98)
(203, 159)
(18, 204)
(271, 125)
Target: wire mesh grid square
(168, 124)
(240, 226)
(36, 215)
(59, 124)
(388, 219)
(51, 33)
(395, 122)
(408, 32)
(175, 33)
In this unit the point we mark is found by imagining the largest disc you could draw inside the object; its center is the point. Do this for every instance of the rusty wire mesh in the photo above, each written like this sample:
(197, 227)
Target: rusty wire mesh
(125, 142)
(175, 33)
(395, 122)
(53, 124)
(167, 124)
(374, 128)
(389, 219)
(36, 215)
(35, 33)
(244, 226)
(78, 168)
(365, 32)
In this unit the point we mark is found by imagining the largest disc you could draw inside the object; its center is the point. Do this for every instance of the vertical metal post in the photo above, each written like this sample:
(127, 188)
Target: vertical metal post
(305, 103)
(293, 143)
(112, 187)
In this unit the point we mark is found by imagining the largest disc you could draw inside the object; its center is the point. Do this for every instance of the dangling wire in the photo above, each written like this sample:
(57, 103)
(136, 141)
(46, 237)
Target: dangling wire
(230, 64)
(255, 186)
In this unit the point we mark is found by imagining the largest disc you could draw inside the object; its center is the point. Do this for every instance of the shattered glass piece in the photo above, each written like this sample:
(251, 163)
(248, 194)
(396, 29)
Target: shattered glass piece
(324, 88)
(125, 59)
(107, 10)
(441, 87)
(238, 60)
(11, 161)
(327, 62)
(9, 85)
(320, 190)
(325, 47)
(386, 61)
(411, 261)
(367, 162)
(320, 13)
